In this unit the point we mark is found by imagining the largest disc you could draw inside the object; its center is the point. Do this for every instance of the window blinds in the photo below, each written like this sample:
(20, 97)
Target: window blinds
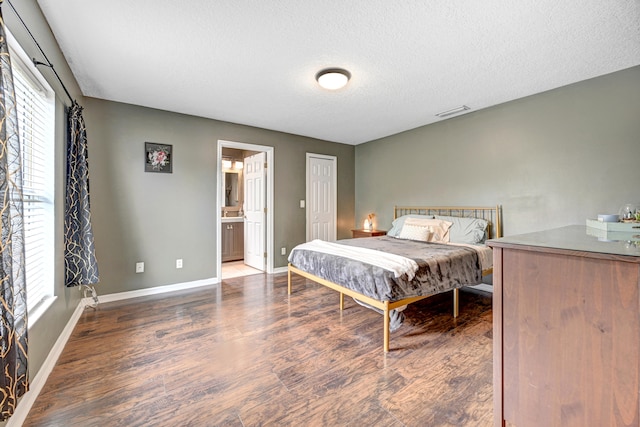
(35, 114)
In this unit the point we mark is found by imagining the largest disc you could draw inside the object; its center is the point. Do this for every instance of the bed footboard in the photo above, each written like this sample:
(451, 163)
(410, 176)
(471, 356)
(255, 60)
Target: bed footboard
(385, 306)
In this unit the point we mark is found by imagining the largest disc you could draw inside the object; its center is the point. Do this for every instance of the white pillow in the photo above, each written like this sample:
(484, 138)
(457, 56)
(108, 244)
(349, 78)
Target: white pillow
(439, 229)
(414, 232)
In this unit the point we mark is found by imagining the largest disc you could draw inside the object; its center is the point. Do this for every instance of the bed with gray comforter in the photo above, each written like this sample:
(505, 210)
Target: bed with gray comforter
(441, 268)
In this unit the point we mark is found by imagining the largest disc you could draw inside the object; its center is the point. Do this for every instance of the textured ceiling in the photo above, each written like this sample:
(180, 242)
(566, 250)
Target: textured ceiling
(253, 62)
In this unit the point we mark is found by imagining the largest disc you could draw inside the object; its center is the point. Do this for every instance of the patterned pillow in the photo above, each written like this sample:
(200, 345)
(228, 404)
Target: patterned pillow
(439, 229)
(414, 232)
(396, 225)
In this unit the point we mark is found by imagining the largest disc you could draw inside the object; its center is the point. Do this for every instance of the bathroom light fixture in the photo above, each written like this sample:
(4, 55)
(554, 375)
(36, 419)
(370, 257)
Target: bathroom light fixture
(333, 78)
(226, 164)
(453, 111)
(238, 165)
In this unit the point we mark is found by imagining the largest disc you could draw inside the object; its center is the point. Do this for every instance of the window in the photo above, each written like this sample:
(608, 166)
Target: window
(36, 110)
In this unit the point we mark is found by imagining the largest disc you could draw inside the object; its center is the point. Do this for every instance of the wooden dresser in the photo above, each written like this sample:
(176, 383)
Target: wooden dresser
(566, 330)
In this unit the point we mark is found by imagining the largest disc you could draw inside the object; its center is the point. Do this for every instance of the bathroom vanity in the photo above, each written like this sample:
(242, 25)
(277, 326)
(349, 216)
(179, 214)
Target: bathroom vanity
(232, 239)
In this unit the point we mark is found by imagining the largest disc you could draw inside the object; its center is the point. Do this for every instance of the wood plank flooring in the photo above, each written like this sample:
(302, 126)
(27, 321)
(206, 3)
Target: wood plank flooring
(245, 354)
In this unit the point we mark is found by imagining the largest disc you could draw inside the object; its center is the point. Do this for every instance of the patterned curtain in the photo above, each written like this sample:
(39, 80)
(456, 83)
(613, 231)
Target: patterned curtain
(14, 381)
(81, 266)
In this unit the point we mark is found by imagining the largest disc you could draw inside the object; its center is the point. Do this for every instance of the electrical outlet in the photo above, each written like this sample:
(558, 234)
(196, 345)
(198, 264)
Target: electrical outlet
(139, 267)
(179, 263)
(283, 251)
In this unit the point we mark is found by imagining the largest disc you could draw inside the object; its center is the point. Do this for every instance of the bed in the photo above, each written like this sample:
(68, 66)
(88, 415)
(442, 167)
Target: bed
(427, 251)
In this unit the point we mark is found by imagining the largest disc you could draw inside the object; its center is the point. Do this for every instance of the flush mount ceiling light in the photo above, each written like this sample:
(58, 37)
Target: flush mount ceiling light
(333, 78)
(453, 111)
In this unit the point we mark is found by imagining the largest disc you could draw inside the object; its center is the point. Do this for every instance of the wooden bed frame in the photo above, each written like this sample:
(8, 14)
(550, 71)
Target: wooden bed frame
(493, 215)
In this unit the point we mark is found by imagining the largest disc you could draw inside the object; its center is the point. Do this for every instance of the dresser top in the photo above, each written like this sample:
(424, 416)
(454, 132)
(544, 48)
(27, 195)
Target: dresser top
(574, 238)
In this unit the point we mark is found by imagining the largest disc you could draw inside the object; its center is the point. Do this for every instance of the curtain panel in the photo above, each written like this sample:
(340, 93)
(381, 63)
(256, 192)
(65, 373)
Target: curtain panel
(14, 380)
(81, 266)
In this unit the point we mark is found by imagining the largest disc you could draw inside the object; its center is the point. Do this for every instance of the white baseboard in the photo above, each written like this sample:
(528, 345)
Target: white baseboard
(280, 270)
(156, 290)
(38, 382)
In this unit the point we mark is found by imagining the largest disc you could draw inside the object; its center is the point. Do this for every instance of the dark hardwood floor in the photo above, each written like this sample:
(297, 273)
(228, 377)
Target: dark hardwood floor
(245, 354)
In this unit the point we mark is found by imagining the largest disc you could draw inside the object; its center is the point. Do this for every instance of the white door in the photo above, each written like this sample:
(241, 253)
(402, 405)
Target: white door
(321, 197)
(254, 211)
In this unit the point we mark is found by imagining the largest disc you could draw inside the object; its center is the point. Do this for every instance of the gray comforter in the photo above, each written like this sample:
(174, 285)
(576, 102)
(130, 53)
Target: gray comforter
(440, 268)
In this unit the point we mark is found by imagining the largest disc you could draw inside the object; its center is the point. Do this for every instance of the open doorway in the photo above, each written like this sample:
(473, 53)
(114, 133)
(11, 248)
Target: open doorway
(245, 205)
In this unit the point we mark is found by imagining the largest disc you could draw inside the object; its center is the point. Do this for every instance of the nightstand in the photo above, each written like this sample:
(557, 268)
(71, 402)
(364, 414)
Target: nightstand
(367, 233)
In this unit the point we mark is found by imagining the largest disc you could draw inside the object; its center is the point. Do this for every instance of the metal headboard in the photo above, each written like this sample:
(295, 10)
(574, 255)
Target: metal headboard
(493, 215)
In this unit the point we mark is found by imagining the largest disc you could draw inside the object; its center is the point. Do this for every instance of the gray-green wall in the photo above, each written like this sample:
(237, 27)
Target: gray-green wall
(157, 218)
(550, 160)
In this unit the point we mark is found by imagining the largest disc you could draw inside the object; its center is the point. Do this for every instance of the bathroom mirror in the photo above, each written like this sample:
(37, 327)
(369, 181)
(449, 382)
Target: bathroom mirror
(230, 189)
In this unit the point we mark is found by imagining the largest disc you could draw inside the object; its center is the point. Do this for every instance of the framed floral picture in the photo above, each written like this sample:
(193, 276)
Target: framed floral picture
(158, 157)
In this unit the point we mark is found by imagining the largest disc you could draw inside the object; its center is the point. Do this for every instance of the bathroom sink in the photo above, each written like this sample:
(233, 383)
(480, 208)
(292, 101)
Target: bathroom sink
(232, 219)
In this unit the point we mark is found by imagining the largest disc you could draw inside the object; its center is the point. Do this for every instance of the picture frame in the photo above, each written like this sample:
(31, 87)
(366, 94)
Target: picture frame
(158, 157)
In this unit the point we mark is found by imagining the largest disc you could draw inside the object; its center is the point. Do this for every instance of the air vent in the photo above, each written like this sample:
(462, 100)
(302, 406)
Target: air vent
(453, 111)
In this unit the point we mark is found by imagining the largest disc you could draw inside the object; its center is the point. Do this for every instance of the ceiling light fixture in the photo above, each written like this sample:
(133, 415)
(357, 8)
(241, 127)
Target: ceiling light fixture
(453, 111)
(333, 78)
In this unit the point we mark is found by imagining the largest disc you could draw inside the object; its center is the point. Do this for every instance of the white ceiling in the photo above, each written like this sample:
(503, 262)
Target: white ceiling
(253, 62)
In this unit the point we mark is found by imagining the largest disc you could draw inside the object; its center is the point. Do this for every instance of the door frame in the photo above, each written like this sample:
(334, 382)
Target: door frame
(334, 184)
(269, 200)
